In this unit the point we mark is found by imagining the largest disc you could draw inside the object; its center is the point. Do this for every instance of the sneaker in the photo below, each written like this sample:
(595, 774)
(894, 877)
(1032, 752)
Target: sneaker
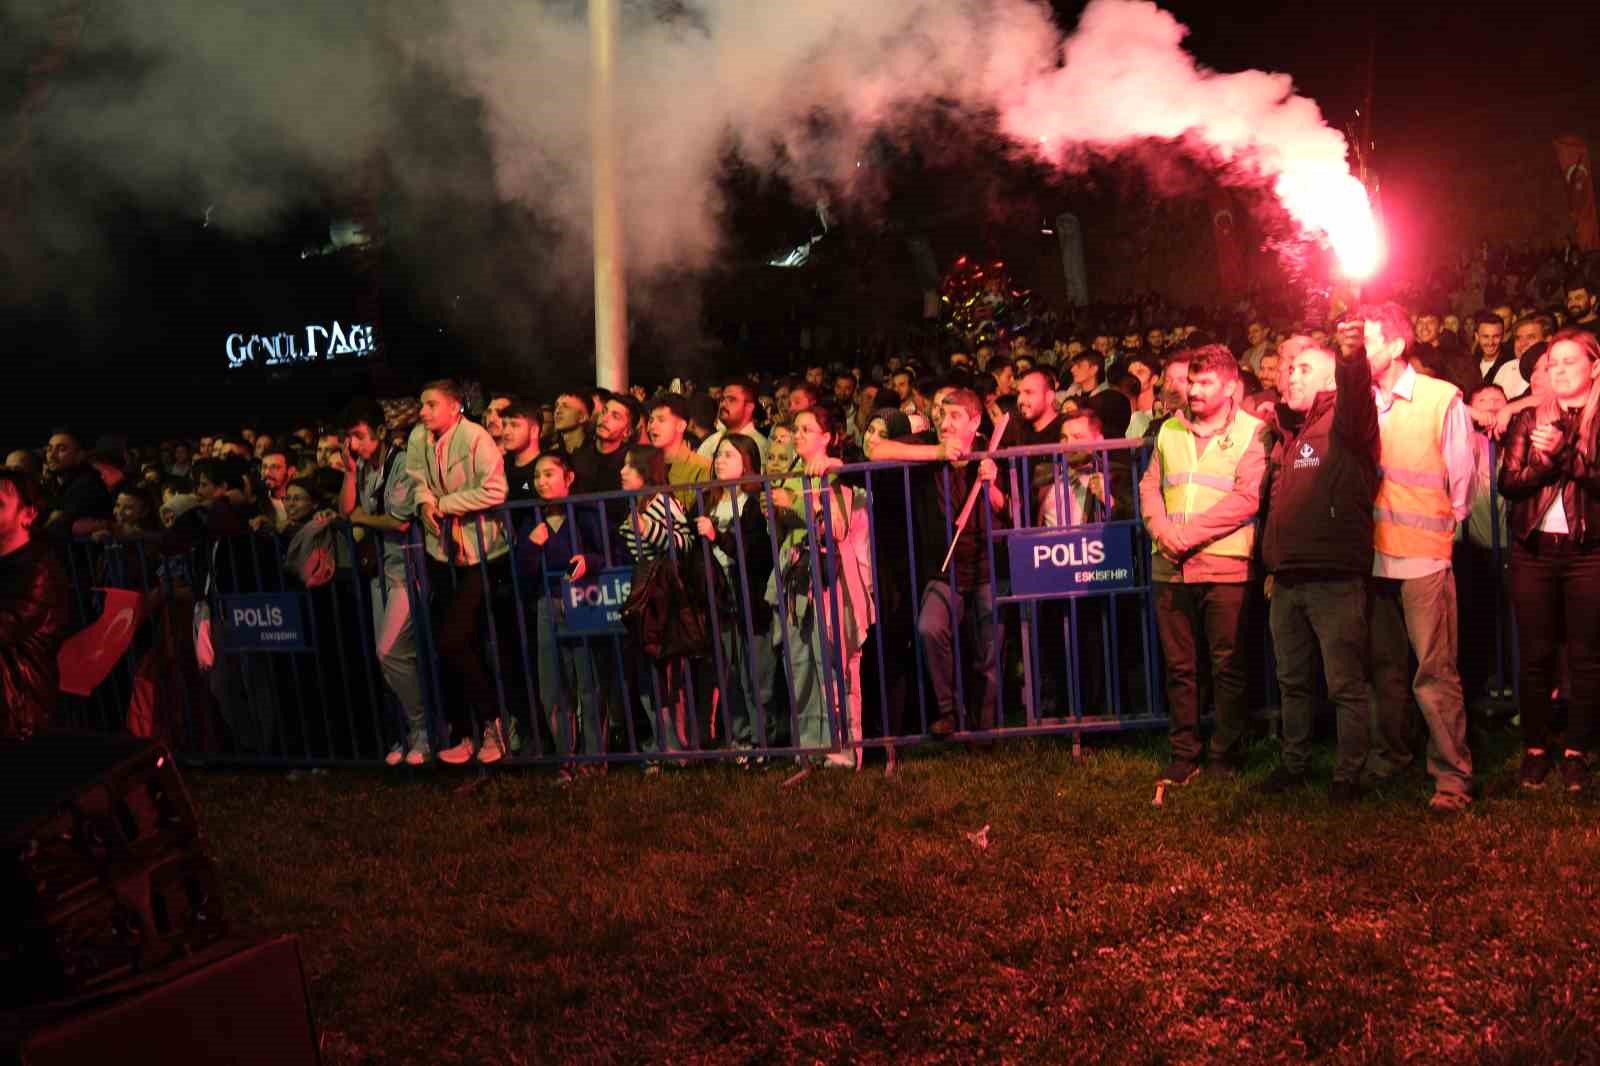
(1344, 794)
(1575, 771)
(1535, 768)
(418, 756)
(459, 753)
(395, 756)
(1178, 772)
(1278, 782)
(1449, 802)
(841, 760)
(943, 726)
(493, 750)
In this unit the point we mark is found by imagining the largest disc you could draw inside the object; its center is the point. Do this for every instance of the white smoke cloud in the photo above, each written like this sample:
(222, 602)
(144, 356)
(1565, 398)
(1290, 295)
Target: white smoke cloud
(235, 103)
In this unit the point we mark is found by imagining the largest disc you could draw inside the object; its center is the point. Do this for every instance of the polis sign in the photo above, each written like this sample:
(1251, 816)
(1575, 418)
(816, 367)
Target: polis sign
(1065, 562)
(306, 345)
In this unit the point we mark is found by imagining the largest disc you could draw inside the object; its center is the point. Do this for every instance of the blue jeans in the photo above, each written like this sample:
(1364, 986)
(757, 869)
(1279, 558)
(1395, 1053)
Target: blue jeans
(943, 611)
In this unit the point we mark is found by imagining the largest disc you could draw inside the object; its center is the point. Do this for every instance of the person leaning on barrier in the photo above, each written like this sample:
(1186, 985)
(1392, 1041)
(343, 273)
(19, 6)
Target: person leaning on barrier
(1425, 488)
(1322, 477)
(1093, 490)
(33, 611)
(1551, 476)
(826, 587)
(964, 595)
(378, 496)
(459, 472)
(734, 523)
(1200, 496)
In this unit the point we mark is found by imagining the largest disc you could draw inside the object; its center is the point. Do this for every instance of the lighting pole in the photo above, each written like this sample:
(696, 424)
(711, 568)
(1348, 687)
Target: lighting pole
(610, 291)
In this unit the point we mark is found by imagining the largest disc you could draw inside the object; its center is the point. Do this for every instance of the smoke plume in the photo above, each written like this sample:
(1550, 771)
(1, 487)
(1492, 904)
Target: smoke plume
(204, 102)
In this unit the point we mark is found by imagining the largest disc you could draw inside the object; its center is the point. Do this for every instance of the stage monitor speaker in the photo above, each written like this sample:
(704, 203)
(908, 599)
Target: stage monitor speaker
(239, 1003)
(102, 865)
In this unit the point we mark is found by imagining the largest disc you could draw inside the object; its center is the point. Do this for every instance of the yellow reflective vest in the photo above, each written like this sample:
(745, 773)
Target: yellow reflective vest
(1412, 515)
(1191, 482)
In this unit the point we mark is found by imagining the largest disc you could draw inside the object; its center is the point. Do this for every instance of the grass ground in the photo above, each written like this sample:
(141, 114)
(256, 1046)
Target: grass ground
(708, 916)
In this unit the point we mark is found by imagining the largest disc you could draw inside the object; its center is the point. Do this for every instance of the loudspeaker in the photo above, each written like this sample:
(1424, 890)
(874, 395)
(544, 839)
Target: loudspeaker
(239, 1002)
(102, 865)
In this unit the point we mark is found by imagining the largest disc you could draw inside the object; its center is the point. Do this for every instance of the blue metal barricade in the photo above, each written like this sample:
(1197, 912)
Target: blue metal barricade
(825, 627)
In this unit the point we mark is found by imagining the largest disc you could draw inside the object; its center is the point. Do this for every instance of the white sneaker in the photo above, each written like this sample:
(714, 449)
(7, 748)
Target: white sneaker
(459, 754)
(418, 756)
(493, 750)
(394, 757)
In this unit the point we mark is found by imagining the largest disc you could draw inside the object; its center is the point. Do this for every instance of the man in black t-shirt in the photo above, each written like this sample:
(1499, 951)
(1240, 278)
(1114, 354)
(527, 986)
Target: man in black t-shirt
(519, 439)
(77, 494)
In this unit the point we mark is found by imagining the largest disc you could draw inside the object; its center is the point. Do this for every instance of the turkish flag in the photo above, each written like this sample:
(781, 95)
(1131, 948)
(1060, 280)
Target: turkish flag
(1572, 155)
(1230, 252)
(86, 658)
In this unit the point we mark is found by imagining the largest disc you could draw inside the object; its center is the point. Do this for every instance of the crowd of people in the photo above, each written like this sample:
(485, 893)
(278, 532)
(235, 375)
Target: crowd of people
(1347, 473)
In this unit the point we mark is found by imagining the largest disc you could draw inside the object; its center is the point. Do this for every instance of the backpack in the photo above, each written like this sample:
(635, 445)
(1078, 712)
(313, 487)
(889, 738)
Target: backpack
(663, 616)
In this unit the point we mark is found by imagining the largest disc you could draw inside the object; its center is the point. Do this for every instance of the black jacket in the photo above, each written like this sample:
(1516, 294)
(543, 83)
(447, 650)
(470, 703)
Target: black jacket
(757, 557)
(1531, 480)
(1322, 477)
(33, 623)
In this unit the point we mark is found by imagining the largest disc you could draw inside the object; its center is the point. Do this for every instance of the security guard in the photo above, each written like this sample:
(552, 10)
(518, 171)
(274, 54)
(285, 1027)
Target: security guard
(1200, 497)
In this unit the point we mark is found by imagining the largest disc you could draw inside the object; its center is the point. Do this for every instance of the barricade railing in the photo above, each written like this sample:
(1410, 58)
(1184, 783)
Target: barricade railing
(793, 632)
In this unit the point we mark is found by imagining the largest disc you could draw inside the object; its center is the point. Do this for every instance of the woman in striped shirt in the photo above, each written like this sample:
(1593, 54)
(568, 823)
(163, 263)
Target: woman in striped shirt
(656, 527)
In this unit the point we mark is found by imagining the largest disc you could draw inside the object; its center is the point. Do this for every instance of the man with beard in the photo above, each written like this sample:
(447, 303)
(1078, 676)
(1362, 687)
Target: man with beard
(1581, 302)
(1038, 421)
(598, 464)
(1200, 497)
(79, 501)
(277, 470)
(1496, 364)
(736, 413)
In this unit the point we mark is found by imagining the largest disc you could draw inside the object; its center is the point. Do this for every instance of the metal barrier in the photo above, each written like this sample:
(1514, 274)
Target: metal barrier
(821, 627)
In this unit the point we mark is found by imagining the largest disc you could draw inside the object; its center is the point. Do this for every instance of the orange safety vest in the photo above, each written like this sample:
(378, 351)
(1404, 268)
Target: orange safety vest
(1413, 516)
(1192, 483)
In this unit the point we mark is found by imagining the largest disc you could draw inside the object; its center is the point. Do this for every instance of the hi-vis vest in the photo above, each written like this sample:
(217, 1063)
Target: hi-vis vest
(1412, 515)
(1191, 483)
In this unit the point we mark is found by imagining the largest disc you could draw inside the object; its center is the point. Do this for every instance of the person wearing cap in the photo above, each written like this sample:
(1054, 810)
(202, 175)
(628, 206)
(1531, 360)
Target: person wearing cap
(1425, 489)
(1200, 496)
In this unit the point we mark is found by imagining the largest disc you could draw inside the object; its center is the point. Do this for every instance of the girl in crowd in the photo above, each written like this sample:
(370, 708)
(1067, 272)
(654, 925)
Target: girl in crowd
(655, 528)
(829, 606)
(1551, 476)
(737, 530)
(562, 540)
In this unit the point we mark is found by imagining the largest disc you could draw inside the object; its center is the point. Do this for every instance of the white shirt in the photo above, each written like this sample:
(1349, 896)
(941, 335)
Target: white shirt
(1508, 377)
(708, 447)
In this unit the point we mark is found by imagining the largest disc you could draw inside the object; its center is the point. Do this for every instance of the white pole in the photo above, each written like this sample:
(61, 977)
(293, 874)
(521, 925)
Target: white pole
(610, 291)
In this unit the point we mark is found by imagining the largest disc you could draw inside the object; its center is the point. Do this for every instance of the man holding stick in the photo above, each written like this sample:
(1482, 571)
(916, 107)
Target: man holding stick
(961, 594)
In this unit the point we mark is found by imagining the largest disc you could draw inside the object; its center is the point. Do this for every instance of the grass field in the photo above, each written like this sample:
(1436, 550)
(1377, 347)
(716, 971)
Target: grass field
(707, 915)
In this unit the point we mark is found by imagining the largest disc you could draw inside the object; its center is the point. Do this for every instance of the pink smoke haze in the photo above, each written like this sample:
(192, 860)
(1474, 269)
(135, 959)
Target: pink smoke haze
(1126, 77)
(759, 73)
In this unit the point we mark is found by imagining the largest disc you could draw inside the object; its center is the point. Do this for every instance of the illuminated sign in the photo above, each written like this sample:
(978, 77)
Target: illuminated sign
(308, 345)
